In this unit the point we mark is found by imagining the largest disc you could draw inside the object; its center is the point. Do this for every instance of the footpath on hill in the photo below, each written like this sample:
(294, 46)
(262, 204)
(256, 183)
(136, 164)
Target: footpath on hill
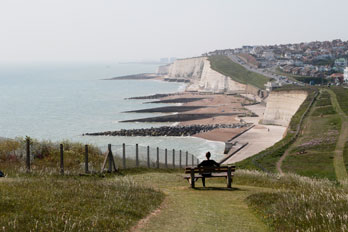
(214, 208)
(340, 168)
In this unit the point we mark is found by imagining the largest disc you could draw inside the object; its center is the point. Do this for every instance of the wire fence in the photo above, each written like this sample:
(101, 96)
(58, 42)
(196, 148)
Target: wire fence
(129, 156)
(78, 158)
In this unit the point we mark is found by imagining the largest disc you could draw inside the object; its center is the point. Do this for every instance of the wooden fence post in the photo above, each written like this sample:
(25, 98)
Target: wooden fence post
(180, 159)
(110, 158)
(165, 158)
(28, 154)
(148, 156)
(157, 162)
(61, 159)
(186, 158)
(136, 155)
(124, 155)
(193, 161)
(173, 158)
(86, 159)
(229, 177)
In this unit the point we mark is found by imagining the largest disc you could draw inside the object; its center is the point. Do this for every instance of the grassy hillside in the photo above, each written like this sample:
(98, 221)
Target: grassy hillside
(312, 153)
(226, 66)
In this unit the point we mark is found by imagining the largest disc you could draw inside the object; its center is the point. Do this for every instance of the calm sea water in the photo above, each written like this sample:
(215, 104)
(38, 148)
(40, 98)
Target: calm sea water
(56, 102)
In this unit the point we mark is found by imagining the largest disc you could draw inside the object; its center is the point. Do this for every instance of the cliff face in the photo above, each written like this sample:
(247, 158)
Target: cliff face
(163, 70)
(187, 68)
(201, 76)
(282, 105)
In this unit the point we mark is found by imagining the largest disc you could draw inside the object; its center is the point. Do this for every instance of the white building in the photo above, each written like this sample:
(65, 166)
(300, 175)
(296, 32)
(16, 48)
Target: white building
(346, 75)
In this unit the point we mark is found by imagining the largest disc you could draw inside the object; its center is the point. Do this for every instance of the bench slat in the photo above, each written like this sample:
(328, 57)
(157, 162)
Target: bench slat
(208, 169)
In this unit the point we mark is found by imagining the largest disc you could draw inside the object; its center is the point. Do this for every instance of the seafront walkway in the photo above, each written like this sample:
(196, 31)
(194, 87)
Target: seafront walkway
(202, 209)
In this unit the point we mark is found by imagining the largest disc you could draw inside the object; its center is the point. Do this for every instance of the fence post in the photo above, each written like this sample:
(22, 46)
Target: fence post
(186, 158)
(61, 159)
(148, 156)
(165, 158)
(157, 162)
(193, 161)
(136, 155)
(86, 159)
(110, 158)
(28, 155)
(180, 159)
(124, 156)
(173, 158)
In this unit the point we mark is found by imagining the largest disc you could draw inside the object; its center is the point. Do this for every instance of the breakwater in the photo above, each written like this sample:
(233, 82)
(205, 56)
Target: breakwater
(169, 130)
(179, 100)
(184, 117)
(167, 109)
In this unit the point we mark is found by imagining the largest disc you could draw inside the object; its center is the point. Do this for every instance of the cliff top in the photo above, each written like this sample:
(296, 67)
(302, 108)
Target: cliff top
(227, 67)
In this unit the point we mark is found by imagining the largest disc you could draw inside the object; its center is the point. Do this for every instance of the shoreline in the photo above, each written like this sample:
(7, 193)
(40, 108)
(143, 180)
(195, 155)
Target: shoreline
(202, 110)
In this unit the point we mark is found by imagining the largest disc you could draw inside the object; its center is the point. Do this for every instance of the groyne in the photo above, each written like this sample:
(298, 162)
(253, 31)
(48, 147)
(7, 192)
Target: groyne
(168, 130)
(167, 109)
(183, 117)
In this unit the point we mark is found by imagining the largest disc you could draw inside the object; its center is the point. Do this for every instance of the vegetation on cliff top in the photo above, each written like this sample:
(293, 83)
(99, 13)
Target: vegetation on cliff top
(237, 72)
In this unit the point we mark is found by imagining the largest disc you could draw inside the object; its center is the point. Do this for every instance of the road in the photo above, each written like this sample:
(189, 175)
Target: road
(266, 72)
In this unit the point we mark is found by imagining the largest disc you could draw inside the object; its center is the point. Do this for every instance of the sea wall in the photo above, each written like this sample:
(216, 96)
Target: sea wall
(282, 105)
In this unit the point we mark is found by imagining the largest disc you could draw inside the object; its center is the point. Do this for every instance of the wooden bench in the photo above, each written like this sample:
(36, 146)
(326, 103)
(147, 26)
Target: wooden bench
(195, 173)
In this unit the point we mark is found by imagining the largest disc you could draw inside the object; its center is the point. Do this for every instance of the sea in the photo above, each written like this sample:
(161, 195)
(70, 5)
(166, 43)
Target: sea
(63, 101)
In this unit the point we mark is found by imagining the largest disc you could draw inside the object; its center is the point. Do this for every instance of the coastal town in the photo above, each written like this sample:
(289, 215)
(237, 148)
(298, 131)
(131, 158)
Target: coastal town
(310, 62)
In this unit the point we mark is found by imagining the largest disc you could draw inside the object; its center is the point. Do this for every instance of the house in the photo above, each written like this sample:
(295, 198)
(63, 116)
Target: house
(337, 78)
(341, 62)
(346, 74)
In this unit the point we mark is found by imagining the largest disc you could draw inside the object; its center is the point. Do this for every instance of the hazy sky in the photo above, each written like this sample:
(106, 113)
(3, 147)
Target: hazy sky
(115, 30)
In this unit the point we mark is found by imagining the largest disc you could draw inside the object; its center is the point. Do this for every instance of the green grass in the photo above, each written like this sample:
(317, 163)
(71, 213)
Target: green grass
(53, 203)
(297, 203)
(313, 152)
(324, 110)
(237, 72)
(345, 155)
(46, 156)
(342, 97)
(213, 208)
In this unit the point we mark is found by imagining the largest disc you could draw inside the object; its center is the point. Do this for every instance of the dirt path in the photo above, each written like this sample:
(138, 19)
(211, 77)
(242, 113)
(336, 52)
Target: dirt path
(340, 169)
(209, 209)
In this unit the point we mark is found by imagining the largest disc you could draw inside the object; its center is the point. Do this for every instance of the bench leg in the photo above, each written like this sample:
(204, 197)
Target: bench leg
(203, 181)
(229, 178)
(192, 178)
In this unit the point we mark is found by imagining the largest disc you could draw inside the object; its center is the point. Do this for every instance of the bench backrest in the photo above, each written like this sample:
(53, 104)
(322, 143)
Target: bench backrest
(209, 169)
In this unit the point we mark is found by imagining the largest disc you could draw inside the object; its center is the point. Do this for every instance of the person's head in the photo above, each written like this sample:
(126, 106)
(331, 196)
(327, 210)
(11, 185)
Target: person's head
(207, 155)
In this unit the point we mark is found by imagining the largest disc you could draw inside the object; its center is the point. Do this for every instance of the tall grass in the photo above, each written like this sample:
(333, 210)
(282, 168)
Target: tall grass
(298, 203)
(45, 156)
(52, 203)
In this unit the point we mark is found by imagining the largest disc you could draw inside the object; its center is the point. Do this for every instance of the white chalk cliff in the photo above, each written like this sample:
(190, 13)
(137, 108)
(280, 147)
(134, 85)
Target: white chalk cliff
(282, 105)
(201, 76)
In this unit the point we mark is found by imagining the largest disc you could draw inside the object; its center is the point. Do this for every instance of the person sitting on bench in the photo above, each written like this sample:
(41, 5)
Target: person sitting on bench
(207, 163)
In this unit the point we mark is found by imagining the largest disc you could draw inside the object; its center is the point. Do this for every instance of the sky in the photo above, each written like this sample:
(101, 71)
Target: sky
(133, 30)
